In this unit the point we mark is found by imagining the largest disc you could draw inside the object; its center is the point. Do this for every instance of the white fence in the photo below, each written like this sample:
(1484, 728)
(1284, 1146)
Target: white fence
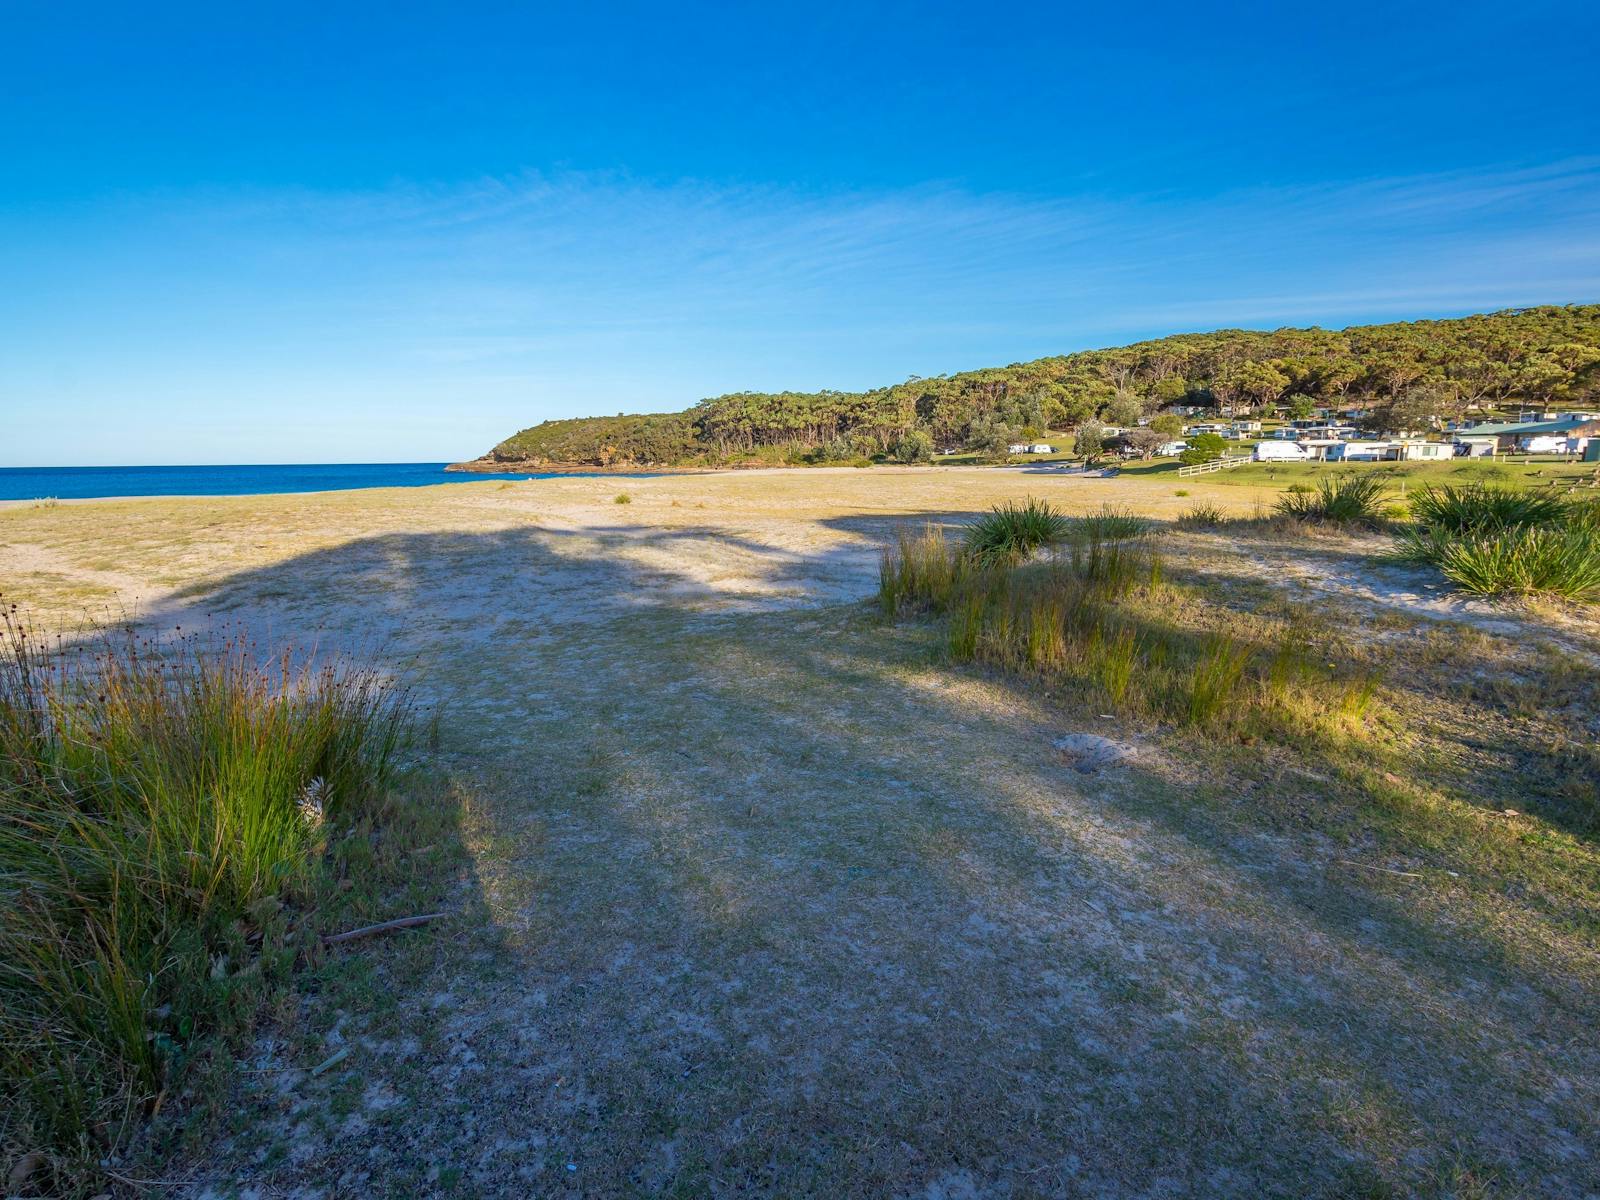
(1224, 463)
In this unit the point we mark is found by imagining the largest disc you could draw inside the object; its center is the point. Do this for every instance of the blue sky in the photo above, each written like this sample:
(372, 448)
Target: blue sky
(402, 231)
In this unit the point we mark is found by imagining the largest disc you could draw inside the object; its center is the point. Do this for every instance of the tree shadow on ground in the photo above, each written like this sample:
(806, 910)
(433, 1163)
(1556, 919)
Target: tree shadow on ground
(776, 903)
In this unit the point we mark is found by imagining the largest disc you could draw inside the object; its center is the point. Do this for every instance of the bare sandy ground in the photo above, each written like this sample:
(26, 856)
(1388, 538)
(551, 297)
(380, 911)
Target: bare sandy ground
(766, 900)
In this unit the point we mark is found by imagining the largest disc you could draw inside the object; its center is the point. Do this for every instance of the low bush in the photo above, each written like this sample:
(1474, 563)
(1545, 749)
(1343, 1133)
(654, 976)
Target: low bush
(622, 498)
(1012, 531)
(163, 810)
(1343, 499)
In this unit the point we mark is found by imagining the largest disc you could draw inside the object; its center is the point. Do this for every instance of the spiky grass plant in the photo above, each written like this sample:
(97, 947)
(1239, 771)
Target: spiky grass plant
(1343, 499)
(1524, 560)
(159, 803)
(1011, 532)
(1113, 524)
(1478, 507)
(1202, 516)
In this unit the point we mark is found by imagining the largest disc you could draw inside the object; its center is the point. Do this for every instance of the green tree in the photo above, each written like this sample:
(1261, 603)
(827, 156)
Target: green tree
(914, 446)
(1091, 441)
(1203, 448)
(1125, 410)
(1168, 425)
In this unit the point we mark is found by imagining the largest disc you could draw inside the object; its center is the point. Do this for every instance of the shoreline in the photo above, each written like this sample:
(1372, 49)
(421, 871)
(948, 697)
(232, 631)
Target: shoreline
(562, 474)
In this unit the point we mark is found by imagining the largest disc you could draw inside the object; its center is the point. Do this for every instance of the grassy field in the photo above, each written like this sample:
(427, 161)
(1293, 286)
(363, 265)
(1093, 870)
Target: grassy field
(1537, 473)
(755, 891)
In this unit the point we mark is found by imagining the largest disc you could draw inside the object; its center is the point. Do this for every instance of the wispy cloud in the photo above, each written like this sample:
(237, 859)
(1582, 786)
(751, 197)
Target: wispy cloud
(544, 295)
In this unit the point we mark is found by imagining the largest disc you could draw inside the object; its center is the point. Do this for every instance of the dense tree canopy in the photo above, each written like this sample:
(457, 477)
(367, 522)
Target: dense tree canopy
(1412, 372)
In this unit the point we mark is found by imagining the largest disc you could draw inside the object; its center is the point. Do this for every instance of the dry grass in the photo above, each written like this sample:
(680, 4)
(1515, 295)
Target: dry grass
(774, 898)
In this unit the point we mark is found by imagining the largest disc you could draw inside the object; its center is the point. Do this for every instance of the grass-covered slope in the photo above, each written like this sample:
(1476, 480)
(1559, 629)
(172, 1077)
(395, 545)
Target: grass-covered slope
(1404, 374)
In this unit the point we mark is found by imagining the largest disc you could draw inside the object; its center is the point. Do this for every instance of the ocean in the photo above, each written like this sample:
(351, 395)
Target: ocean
(83, 483)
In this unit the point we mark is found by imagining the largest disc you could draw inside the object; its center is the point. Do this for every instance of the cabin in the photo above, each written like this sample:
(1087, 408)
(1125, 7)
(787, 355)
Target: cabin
(1414, 450)
(1318, 449)
(1566, 435)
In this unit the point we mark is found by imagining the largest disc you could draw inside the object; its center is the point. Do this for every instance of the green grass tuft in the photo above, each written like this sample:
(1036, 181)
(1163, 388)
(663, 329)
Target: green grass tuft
(1343, 499)
(1478, 507)
(1524, 560)
(1113, 524)
(163, 807)
(1011, 531)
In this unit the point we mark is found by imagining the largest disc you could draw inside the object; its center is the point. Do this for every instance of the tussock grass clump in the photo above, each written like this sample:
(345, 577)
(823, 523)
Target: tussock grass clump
(1095, 616)
(1011, 531)
(1217, 678)
(1343, 499)
(1477, 507)
(920, 570)
(1113, 524)
(1499, 541)
(163, 807)
(1202, 516)
(1523, 560)
(622, 498)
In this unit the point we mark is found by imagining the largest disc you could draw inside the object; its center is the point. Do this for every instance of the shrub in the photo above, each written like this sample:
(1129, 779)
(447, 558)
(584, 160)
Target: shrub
(622, 498)
(1181, 492)
(914, 446)
(1476, 507)
(1204, 448)
(159, 803)
(1012, 531)
(1343, 499)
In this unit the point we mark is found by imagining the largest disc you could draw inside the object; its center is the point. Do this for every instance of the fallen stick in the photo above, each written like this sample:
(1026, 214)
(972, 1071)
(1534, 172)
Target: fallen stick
(351, 935)
(333, 1060)
(1385, 870)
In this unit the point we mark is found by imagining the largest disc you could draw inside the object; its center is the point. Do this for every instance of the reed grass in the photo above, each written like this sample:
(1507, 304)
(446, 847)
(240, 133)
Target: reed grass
(1202, 516)
(1093, 616)
(1112, 523)
(163, 809)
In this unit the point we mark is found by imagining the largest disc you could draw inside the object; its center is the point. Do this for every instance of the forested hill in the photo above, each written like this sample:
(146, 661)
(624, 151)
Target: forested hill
(1405, 374)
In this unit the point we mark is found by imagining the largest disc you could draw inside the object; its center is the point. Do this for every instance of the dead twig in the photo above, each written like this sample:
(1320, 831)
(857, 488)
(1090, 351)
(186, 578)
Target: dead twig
(1385, 870)
(351, 935)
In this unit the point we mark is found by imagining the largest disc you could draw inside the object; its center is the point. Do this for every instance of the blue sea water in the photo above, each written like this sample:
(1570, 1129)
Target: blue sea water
(82, 483)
